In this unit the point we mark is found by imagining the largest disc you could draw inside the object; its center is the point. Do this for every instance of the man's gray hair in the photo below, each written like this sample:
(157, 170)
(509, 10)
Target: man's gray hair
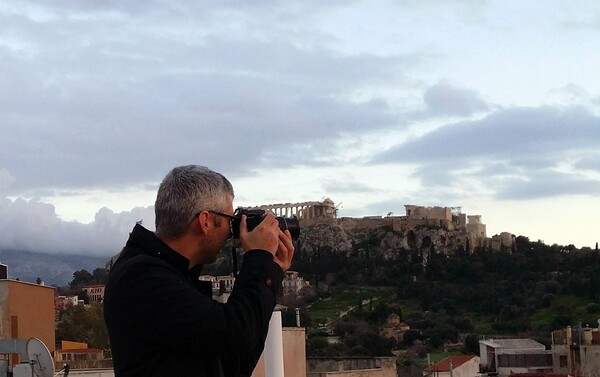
(185, 191)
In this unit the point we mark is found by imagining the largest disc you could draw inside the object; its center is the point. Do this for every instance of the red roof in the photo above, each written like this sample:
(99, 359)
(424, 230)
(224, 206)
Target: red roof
(457, 360)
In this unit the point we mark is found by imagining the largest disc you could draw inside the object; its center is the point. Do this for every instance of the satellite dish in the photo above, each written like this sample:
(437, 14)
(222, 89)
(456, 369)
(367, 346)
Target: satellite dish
(39, 358)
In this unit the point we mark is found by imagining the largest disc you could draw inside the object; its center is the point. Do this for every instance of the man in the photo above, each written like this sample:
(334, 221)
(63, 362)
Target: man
(161, 319)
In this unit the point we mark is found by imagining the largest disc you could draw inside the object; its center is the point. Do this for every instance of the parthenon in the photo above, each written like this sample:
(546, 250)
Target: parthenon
(302, 210)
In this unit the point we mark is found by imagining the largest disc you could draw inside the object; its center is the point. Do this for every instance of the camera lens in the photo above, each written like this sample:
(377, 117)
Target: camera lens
(255, 216)
(290, 223)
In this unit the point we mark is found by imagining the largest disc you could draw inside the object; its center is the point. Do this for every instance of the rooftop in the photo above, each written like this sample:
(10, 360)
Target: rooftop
(457, 360)
(513, 343)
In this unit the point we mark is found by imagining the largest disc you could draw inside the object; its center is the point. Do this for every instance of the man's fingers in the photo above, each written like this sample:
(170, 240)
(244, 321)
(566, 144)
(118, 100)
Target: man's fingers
(285, 250)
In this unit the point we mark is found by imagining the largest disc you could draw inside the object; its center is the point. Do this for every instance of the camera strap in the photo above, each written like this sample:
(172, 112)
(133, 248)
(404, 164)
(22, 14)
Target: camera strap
(234, 260)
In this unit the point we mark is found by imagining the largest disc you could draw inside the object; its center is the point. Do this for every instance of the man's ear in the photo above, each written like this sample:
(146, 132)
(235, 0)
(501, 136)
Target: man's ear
(204, 221)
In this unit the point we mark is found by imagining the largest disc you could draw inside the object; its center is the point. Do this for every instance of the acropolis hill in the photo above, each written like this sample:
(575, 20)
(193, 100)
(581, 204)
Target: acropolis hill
(445, 228)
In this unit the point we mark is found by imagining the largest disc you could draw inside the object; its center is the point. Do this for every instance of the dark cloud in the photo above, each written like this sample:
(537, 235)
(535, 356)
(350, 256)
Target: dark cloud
(547, 184)
(513, 152)
(110, 100)
(114, 94)
(589, 162)
(507, 134)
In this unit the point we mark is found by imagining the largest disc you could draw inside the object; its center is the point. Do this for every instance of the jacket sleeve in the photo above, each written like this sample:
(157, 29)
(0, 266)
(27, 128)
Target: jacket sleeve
(160, 306)
(270, 280)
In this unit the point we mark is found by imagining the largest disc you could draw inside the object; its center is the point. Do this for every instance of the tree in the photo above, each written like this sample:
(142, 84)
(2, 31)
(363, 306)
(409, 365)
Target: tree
(410, 337)
(375, 344)
(80, 278)
(316, 345)
(83, 324)
(99, 276)
(471, 344)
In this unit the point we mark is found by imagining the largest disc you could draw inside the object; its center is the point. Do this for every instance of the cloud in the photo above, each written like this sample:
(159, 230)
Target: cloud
(591, 163)
(34, 226)
(338, 187)
(6, 179)
(521, 131)
(524, 148)
(103, 99)
(393, 206)
(444, 99)
(547, 184)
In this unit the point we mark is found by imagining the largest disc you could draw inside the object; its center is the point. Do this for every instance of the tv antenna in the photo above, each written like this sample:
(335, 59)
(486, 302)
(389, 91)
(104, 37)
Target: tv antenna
(36, 359)
(40, 358)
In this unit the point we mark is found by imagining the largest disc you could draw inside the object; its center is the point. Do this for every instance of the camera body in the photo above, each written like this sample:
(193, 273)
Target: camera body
(256, 216)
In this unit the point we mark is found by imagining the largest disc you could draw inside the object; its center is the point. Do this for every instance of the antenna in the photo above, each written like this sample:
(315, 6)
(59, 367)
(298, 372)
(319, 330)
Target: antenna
(39, 358)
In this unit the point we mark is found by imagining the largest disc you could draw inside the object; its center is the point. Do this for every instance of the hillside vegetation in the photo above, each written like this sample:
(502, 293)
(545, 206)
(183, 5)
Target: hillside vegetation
(449, 298)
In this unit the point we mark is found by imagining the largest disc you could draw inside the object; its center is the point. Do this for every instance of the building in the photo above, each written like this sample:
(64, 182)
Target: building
(443, 214)
(454, 366)
(576, 351)
(504, 241)
(293, 283)
(77, 355)
(294, 354)
(302, 210)
(26, 311)
(61, 303)
(394, 328)
(221, 286)
(95, 293)
(506, 356)
(475, 226)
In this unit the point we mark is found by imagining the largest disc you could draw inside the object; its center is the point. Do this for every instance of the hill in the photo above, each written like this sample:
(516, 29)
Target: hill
(53, 269)
(445, 292)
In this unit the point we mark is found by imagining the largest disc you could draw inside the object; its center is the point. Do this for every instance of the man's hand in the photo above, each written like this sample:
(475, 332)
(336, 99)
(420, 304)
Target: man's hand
(285, 252)
(267, 236)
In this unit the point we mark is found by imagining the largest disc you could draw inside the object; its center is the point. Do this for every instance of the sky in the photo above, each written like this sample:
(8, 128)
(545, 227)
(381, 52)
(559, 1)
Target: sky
(492, 106)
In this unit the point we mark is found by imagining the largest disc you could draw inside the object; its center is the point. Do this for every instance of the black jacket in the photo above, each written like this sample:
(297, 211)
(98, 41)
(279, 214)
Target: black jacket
(162, 321)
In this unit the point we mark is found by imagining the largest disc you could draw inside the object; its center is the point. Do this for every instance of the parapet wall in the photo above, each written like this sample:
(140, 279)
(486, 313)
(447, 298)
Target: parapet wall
(351, 367)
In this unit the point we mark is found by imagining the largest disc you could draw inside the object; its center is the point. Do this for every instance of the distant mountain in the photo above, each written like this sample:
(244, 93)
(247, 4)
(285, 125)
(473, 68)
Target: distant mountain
(53, 269)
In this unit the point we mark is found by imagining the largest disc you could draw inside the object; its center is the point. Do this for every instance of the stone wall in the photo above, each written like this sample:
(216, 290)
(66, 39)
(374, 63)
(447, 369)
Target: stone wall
(421, 212)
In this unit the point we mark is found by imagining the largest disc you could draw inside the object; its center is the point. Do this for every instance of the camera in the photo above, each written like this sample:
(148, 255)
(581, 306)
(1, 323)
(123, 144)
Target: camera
(255, 216)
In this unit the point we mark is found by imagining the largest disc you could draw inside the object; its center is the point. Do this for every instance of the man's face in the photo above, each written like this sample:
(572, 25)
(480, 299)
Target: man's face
(223, 222)
(219, 233)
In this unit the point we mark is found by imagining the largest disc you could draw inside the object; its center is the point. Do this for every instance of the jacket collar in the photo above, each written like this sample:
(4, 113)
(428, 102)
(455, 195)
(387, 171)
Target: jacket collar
(143, 241)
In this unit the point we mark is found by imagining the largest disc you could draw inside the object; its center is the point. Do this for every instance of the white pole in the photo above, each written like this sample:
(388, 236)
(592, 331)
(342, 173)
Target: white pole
(274, 347)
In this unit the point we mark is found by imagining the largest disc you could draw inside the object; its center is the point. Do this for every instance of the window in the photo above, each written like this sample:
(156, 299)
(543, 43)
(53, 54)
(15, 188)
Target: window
(562, 361)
